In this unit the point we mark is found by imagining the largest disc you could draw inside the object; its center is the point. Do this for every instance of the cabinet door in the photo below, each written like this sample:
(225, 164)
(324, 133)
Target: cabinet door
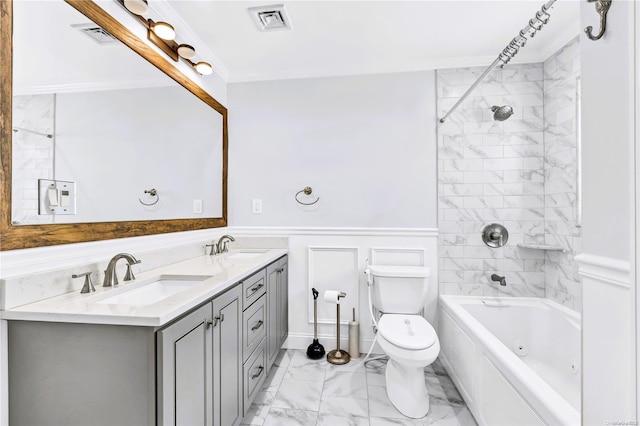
(184, 371)
(227, 356)
(283, 301)
(272, 313)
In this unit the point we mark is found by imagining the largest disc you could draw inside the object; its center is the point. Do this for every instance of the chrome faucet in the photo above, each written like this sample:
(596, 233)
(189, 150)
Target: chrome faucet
(110, 276)
(498, 278)
(221, 247)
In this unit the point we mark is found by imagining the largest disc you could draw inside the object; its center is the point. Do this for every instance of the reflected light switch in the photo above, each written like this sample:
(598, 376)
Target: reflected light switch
(256, 206)
(197, 206)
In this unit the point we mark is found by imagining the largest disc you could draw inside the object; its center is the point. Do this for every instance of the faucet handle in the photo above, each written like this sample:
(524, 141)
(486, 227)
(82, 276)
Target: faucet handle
(213, 249)
(128, 276)
(88, 285)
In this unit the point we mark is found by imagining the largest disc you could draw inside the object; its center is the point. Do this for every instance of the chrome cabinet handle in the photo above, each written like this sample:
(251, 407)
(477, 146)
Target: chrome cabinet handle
(260, 370)
(256, 288)
(258, 325)
(218, 319)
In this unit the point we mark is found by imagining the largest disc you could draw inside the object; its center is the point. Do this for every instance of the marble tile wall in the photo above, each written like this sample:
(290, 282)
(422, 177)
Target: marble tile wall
(505, 172)
(561, 74)
(32, 155)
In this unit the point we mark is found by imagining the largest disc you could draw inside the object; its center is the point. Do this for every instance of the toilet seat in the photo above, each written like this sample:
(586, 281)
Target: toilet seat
(407, 331)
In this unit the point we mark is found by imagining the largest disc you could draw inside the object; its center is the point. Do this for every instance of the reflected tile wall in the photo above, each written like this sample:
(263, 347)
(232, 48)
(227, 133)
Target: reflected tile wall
(519, 173)
(32, 155)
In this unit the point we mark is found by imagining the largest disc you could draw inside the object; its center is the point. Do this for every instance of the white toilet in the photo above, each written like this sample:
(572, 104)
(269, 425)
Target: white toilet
(400, 294)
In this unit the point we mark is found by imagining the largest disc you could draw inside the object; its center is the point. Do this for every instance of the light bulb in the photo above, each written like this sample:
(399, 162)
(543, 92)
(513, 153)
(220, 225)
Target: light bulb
(186, 51)
(203, 68)
(164, 30)
(139, 7)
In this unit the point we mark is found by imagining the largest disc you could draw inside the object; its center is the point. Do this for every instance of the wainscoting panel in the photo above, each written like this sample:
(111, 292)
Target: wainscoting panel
(398, 256)
(334, 268)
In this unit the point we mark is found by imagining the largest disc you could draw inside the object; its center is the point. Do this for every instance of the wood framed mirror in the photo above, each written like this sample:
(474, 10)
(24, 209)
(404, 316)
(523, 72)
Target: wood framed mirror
(25, 236)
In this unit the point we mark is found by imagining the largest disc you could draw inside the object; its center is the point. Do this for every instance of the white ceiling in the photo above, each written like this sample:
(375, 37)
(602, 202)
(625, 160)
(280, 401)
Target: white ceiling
(360, 37)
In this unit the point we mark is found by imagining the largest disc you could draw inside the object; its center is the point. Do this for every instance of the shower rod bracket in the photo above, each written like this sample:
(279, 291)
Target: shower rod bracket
(602, 7)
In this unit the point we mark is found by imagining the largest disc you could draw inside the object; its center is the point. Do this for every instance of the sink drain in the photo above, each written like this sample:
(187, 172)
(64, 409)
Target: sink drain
(521, 348)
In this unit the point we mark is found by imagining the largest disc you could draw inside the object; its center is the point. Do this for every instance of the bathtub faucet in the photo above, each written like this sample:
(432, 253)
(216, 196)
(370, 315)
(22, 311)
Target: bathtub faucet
(498, 278)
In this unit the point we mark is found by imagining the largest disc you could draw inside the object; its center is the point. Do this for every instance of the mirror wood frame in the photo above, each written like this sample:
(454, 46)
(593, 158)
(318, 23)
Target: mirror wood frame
(27, 236)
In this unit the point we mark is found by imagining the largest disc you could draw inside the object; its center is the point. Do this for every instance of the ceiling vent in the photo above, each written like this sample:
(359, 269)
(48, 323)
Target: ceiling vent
(270, 18)
(98, 34)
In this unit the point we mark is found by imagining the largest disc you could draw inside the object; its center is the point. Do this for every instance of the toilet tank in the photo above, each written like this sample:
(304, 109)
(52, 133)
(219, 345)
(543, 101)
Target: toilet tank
(399, 289)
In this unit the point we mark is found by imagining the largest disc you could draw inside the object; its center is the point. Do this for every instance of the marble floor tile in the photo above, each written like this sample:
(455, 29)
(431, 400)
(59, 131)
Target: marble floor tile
(298, 395)
(300, 391)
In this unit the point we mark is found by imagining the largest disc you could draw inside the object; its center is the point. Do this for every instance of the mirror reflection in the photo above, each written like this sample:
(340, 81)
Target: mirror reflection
(136, 145)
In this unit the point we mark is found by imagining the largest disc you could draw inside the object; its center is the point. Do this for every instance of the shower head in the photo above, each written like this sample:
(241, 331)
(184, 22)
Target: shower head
(501, 113)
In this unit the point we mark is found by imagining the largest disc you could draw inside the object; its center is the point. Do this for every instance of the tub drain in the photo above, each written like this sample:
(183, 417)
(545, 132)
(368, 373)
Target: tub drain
(520, 348)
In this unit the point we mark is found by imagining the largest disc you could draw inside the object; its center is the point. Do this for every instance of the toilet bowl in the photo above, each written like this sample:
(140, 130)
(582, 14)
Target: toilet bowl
(410, 348)
(404, 335)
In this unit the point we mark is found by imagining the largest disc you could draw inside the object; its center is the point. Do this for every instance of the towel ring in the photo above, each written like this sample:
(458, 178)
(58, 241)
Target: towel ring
(153, 193)
(307, 191)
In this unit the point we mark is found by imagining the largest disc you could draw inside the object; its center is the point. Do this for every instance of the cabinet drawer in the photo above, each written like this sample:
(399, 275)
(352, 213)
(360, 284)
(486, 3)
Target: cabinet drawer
(254, 326)
(253, 287)
(255, 371)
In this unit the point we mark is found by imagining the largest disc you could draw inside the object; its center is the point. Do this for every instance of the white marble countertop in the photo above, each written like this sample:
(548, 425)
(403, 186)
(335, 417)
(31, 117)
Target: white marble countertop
(221, 272)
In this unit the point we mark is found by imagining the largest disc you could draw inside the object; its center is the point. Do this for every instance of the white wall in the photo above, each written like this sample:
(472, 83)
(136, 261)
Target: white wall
(365, 144)
(608, 112)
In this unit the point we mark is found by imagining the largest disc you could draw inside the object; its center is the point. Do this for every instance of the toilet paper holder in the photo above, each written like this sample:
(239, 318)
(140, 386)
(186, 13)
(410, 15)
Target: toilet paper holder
(336, 356)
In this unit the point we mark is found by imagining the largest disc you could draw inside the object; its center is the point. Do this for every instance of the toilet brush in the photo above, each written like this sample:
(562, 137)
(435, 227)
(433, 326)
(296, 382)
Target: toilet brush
(337, 356)
(315, 349)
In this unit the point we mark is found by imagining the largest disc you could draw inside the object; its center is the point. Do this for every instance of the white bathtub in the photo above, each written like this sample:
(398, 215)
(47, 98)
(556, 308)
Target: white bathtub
(515, 361)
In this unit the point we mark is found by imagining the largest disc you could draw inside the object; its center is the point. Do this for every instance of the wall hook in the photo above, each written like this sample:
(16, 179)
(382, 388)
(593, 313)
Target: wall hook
(307, 191)
(152, 192)
(602, 7)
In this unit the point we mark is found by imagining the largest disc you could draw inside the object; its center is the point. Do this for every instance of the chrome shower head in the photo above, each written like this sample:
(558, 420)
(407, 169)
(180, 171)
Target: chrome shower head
(501, 113)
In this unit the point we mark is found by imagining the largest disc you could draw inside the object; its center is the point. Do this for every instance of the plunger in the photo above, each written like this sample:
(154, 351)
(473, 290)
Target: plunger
(315, 349)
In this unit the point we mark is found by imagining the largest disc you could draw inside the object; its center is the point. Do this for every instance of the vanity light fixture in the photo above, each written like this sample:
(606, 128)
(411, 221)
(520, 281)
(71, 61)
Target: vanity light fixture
(162, 34)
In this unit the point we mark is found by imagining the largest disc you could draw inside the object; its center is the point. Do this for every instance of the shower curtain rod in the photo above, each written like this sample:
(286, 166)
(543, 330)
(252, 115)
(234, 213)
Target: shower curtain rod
(20, 129)
(534, 25)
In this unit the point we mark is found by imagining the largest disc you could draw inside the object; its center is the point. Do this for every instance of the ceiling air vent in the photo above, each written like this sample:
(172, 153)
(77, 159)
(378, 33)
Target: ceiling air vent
(100, 35)
(270, 18)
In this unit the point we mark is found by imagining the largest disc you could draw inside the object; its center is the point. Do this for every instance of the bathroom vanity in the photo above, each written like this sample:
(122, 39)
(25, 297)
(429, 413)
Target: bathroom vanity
(188, 343)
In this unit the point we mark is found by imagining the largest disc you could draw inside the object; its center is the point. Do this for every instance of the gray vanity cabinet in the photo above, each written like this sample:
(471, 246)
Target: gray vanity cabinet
(200, 365)
(278, 308)
(185, 375)
(227, 358)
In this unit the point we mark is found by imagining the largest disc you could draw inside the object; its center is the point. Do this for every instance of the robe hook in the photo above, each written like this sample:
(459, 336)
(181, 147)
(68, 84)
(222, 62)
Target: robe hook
(602, 7)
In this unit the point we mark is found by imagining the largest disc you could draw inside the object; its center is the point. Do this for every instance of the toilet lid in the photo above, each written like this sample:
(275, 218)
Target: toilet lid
(407, 331)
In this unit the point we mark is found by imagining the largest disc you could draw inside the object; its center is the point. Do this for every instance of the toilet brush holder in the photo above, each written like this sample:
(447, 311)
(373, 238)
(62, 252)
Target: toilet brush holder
(337, 356)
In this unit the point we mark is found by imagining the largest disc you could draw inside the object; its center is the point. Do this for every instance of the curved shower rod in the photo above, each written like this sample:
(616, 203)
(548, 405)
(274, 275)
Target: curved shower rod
(534, 25)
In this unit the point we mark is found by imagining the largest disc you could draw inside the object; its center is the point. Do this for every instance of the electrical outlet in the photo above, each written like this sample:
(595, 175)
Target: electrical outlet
(256, 206)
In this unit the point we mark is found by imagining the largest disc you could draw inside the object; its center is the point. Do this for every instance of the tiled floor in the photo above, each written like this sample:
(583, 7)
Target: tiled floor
(301, 391)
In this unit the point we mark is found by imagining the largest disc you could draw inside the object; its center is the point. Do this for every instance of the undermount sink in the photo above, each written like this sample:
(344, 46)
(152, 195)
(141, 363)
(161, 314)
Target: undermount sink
(155, 290)
(245, 254)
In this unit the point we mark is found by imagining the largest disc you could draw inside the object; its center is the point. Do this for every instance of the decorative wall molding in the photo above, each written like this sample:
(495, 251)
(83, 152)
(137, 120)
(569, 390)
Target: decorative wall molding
(333, 268)
(386, 232)
(388, 256)
(605, 269)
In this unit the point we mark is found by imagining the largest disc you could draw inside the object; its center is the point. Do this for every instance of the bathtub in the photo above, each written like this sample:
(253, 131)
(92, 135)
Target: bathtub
(515, 361)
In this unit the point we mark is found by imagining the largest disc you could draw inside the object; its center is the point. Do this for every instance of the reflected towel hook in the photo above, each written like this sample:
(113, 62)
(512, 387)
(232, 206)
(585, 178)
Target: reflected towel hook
(307, 191)
(602, 7)
(152, 192)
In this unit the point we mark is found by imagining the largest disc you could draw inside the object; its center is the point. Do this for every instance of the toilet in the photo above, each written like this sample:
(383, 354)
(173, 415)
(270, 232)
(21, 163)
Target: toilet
(399, 293)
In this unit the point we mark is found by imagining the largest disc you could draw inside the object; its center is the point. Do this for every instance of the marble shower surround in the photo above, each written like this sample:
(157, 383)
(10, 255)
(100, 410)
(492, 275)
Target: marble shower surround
(504, 172)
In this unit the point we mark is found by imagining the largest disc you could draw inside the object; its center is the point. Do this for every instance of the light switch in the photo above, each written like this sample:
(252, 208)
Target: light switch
(256, 206)
(197, 206)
